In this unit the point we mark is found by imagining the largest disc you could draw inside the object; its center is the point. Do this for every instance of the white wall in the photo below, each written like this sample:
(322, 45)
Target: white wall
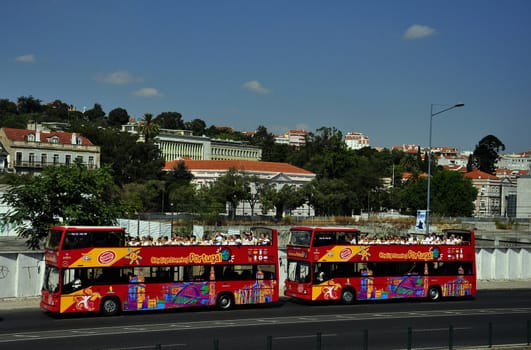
(503, 263)
(21, 274)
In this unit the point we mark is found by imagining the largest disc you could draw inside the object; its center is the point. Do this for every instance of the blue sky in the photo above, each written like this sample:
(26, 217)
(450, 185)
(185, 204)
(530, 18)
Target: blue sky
(360, 66)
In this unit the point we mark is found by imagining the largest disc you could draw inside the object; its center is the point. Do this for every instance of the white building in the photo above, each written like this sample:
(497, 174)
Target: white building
(30, 150)
(294, 138)
(488, 201)
(357, 140)
(176, 144)
(280, 174)
(515, 161)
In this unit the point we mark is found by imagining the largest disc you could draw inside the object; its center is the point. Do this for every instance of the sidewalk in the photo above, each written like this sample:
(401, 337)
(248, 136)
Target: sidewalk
(33, 302)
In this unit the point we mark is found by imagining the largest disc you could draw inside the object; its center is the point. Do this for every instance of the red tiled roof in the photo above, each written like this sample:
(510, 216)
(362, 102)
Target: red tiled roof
(64, 137)
(478, 174)
(247, 165)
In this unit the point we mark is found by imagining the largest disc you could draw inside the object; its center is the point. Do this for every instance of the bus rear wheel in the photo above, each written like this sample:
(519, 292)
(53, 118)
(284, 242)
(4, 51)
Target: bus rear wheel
(110, 307)
(434, 293)
(225, 301)
(348, 296)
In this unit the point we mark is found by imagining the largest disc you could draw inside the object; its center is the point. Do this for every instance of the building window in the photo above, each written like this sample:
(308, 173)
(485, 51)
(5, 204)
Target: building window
(32, 158)
(79, 159)
(44, 159)
(68, 159)
(55, 139)
(91, 161)
(31, 137)
(18, 159)
(55, 159)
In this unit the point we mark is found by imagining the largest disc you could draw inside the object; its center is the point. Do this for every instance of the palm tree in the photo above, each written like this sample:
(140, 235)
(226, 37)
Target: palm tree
(148, 128)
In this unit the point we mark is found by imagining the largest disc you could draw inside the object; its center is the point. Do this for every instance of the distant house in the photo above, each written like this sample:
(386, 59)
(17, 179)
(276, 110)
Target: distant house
(488, 201)
(28, 151)
(295, 138)
(357, 140)
(280, 174)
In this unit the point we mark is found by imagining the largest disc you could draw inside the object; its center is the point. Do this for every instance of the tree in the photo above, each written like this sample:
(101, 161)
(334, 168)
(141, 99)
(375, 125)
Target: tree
(131, 161)
(180, 189)
(118, 117)
(197, 126)
(57, 111)
(485, 154)
(231, 188)
(266, 141)
(451, 194)
(255, 185)
(170, 120)
(69, 195)
(148, 128)
(7, 108)
(28, 105)
(283, 199)
(95, 114)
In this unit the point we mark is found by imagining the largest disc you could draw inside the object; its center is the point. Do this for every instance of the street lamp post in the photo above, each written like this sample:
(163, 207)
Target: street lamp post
(429, 160)
(171, 225)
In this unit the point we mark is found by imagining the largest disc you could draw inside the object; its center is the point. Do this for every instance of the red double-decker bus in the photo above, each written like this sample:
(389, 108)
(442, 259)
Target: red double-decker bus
(96, 269)
(343, 264)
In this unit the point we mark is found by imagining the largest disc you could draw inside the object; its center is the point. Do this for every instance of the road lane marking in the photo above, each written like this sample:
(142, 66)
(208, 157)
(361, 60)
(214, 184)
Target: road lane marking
(304, 336)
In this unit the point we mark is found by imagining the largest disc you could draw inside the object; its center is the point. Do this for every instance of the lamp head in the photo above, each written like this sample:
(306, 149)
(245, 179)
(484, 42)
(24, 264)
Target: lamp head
(459, 104)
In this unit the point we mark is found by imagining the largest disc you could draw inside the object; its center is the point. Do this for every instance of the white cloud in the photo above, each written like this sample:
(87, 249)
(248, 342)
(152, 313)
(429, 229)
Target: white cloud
(118, 78)
(255, 86)
(418, 31)
(147, 92)
(26, 58)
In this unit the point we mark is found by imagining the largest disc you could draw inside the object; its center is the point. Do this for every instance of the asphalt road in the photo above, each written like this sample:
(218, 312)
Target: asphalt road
(493, 317)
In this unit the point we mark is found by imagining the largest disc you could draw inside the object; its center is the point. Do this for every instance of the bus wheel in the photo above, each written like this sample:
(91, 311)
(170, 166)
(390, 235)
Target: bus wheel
(225, 301)
(348, 296)
(110, 307)
(434, 293)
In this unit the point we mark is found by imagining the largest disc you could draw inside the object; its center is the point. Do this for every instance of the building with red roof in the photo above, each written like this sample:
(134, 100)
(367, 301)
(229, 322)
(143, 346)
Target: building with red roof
(488, 201)
(279, 174)
(30, 150)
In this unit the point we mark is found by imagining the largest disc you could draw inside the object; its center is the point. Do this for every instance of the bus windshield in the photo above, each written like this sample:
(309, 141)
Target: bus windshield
(300, 238)
(53, 240)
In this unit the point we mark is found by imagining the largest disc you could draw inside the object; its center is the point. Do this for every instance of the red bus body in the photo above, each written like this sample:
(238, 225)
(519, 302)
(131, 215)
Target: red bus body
(82, 279)
(347, 272)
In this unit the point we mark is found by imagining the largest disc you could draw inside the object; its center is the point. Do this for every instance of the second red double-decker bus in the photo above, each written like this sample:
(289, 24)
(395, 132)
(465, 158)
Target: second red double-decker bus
(343, 264)
(94, 269)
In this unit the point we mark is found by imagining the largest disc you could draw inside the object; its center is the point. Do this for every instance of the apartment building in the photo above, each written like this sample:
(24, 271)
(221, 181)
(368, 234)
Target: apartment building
(515, 161)
(28, 151)
(296, 138)
(357, 140)
(488, 201)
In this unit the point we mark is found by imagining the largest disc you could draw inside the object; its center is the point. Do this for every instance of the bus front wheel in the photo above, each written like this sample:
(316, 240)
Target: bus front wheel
(434, 293)
(110, 307)
(225, 301)
(348, 296)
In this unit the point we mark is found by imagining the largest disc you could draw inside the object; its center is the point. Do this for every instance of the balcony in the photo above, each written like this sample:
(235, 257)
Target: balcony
(40, 165)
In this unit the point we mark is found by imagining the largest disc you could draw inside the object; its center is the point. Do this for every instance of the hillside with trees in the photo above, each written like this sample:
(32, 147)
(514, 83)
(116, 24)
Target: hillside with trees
(347, 181)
